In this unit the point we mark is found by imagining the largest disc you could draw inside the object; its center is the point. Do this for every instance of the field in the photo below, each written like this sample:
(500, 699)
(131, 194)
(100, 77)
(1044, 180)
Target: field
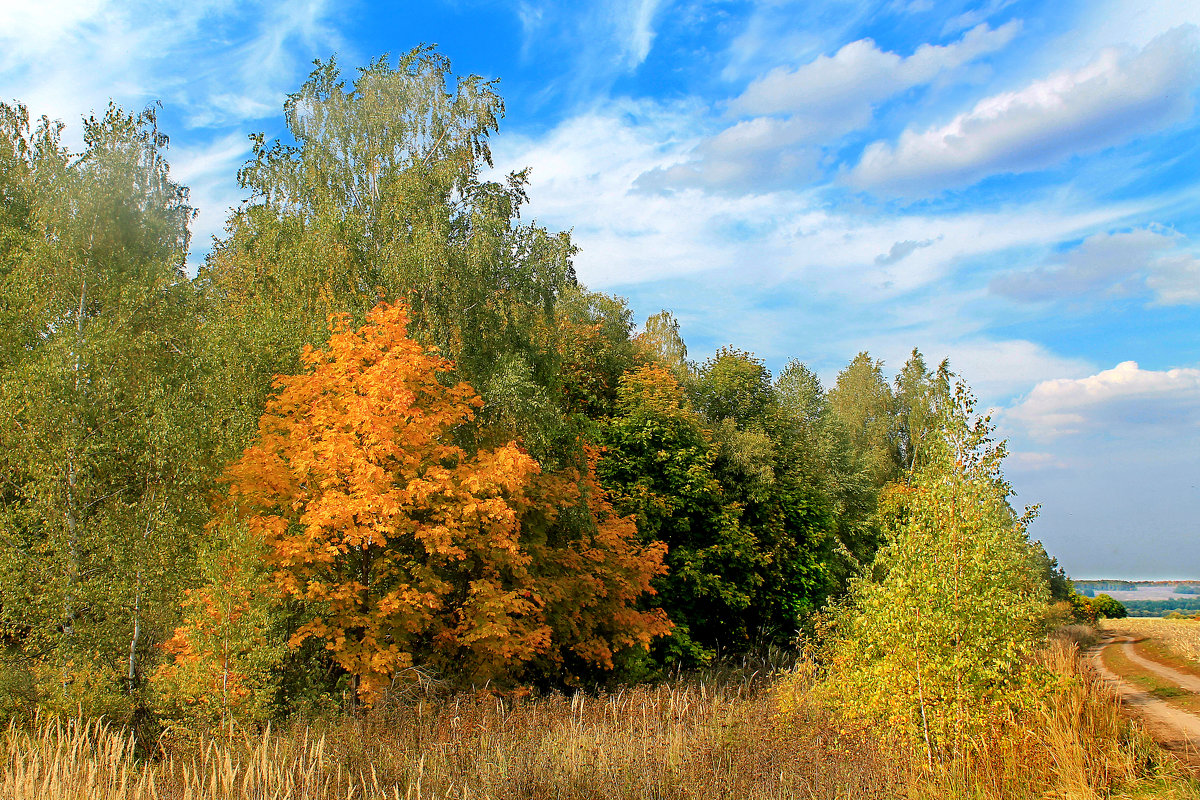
(1182, 636)
(726, 738)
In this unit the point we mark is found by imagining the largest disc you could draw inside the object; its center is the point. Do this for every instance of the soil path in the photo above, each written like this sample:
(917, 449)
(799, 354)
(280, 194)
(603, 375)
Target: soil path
(1174, 729)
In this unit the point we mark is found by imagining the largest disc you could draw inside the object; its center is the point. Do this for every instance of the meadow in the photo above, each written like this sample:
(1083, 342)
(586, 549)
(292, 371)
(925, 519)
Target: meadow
(388, 433)
(744, 733)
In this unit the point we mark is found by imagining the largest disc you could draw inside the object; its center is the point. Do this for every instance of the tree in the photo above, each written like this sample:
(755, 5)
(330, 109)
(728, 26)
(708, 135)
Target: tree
(384, 194)
(98, 443)
(660, 338)
(658, 465)
(733, 385)
(920, 394)
(818, 458)
(592, 340)
(407, 549)
(863, 402)
(1105, 606)
(937, 644)
(759, 466)
(223, 659)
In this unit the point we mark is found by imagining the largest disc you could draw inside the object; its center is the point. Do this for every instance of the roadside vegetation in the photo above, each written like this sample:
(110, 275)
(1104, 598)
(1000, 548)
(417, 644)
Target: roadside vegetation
(384, 502)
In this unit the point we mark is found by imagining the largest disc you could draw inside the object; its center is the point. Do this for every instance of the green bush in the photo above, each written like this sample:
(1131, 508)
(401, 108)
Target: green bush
(1105, 606)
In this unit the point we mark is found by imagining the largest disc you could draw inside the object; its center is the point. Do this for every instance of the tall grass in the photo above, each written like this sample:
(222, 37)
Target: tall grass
(1074, 741)
(724, 739)
(680, 741)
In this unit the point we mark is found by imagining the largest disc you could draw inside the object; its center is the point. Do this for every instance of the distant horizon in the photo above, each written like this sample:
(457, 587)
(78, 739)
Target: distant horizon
(1137, 580)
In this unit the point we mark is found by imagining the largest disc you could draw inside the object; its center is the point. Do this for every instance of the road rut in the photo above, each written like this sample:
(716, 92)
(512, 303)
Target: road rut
(1174, 729)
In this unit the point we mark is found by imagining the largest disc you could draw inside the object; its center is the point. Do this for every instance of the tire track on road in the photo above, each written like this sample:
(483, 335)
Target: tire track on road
(1174, 729)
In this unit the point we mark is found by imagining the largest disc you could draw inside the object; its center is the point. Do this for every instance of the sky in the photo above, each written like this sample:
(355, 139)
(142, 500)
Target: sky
(1009, 184)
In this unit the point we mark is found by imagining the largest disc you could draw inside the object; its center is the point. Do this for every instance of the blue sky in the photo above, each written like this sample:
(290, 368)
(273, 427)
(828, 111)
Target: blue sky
(1009, 184)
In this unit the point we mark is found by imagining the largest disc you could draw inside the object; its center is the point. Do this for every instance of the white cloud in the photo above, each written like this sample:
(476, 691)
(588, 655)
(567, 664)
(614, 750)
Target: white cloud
(587, 172)
(37, 26)
(641, 33)
(1034, 461)
(1111, 264)
(604, 40)
(1176, 280)
(1123, 401)
(1117, 96)
(218, 61)
(213, 63)
(794, 112)
(208, 171)
(974, 16)
(859, 75)
(996, 369)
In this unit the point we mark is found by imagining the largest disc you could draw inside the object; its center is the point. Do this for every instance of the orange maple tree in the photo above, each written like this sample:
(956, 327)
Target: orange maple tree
(405, 547)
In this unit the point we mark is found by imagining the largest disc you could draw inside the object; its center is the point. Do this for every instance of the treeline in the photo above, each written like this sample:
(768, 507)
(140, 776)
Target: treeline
(385, 436)
(1107, 586)
(1161, 608)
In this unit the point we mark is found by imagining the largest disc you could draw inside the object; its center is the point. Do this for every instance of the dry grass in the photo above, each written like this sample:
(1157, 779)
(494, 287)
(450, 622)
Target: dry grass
(1180, 636)
(677, 741)
(1073, 743)
(668, 742)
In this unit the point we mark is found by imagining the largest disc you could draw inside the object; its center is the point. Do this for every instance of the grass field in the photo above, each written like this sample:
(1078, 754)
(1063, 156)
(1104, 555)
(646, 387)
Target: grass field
(721, 739)
(1180, 636)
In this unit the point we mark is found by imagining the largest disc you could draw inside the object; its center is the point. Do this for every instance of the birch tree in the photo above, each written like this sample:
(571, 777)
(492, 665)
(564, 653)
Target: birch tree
(937, 644)
(95, 370)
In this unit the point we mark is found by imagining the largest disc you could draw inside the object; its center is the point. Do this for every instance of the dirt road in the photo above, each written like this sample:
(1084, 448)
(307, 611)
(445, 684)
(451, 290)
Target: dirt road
(1174, 729)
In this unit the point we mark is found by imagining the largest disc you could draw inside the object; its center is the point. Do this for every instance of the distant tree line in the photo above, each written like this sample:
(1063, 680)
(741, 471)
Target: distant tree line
(1160, 608)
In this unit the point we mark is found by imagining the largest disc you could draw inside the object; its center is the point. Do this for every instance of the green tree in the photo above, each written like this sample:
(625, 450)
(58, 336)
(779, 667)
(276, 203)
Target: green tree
(863, 402)
(761, 464)
(383, 195)
(98, 441)
(658, 465)
(920, 394)
(819, 454)
(1105, 606)
(937, 646)
(660, 338)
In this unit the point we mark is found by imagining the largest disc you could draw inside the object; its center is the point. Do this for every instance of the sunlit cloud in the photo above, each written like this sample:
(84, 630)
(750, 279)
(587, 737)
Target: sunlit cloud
(1125, 400)
(1116, 97)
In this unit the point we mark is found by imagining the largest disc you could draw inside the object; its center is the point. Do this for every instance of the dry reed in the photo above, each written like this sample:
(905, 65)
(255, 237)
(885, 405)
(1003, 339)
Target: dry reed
(684, 741)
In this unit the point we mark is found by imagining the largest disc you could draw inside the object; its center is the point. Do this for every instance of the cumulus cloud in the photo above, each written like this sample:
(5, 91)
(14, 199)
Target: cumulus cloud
(792, 113)
(586, 174)
(996, 369)
(1124, 400)
(1175, 280)
(1145, 259)
(1119, 95)
(859, 75)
